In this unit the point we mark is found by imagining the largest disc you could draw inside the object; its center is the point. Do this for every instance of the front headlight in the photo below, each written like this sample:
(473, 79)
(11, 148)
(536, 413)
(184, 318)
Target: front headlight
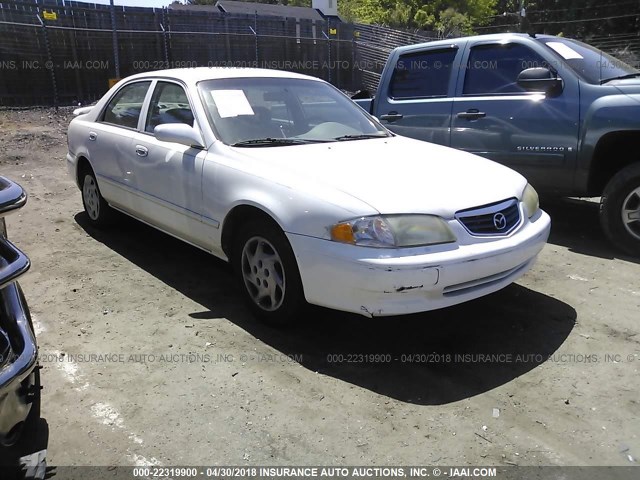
(393, 231)
(530, 200)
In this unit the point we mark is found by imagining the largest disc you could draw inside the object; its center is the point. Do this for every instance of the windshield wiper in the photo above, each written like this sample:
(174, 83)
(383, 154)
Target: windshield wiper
(361, 136)
(621, 77)
(271, 142)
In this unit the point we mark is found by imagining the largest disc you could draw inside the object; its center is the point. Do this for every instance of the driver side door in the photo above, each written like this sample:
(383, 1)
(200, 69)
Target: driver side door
(533, 133)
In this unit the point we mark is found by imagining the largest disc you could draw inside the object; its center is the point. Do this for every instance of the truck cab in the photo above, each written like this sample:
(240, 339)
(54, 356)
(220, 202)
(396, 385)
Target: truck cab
(564, 114)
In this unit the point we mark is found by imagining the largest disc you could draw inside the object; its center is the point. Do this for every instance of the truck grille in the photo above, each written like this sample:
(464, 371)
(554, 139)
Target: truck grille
(492, 220)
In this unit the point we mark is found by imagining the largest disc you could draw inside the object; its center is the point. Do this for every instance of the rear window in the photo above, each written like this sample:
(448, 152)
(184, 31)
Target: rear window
(422, 74)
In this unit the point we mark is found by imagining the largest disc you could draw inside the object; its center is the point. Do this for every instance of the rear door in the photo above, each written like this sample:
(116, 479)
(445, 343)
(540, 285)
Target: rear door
(109, 143)
(418, 99)
(533, 133)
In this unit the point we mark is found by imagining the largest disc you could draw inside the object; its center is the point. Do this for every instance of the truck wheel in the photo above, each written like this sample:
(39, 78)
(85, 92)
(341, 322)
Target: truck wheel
(620, 210)
(268, 273)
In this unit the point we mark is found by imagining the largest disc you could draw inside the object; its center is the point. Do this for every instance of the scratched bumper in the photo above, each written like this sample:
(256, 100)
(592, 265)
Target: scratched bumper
(381, 282)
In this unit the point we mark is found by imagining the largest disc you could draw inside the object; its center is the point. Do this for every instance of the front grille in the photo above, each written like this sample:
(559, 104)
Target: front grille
(496, 219)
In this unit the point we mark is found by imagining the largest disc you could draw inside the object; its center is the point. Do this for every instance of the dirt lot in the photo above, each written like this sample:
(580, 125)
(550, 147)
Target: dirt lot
(181, 374)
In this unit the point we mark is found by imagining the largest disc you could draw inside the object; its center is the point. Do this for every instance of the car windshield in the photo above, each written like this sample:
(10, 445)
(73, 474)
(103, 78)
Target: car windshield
(263, 112)
(592, 64)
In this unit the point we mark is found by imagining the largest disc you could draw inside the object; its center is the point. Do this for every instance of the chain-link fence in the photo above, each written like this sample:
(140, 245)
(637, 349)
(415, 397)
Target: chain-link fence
(62, 52)
(66, 52)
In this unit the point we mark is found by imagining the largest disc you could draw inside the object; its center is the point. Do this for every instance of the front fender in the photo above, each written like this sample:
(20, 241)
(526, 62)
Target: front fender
(608, 114)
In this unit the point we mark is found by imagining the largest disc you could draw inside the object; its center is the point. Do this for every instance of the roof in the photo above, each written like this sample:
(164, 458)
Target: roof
(496, 37)
(195, 75)
(250, 8)
(231, 6)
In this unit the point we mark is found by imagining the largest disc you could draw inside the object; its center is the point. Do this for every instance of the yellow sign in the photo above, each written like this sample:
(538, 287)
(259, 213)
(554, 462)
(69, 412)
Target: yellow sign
(50, 15)
(333, 31)
(113, 81)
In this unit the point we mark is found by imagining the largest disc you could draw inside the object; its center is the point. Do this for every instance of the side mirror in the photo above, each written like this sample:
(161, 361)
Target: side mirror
(540, 80)
(179, 133)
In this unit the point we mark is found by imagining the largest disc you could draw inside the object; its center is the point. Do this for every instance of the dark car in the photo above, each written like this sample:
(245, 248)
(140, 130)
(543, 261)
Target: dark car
(19, 373)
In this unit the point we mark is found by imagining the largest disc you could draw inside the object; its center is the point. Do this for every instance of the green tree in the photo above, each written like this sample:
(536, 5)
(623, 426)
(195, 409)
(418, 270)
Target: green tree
(445, 16)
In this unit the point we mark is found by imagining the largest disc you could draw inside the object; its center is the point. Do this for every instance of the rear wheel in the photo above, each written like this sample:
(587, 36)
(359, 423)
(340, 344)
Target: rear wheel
(620, 210)
(98, 210)
(268, 273)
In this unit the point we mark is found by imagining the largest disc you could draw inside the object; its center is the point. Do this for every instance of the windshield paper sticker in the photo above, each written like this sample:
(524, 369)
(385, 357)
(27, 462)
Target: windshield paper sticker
(231, 103)
(564, 50)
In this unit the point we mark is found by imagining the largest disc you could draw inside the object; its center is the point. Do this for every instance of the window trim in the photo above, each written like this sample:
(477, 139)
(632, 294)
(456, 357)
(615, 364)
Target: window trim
(142, 108)
(494, 43)
(143, 128)
(439, 48)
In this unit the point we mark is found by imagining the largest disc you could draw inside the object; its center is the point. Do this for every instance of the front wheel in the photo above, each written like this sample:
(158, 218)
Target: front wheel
(268, 273)
(620, 209)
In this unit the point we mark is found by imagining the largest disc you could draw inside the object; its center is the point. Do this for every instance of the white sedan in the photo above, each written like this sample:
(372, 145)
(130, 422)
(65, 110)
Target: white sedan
(310, 198)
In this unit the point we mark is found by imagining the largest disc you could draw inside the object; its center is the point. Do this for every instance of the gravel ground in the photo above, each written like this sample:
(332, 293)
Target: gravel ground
(150, 357)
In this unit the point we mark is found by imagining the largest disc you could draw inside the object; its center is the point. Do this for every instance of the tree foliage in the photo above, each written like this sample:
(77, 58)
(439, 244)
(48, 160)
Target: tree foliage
(293, 3)
(444, 16)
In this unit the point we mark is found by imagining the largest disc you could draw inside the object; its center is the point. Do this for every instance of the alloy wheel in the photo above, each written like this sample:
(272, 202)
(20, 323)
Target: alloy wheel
(631, 213)
(91, 197)
(263, 273)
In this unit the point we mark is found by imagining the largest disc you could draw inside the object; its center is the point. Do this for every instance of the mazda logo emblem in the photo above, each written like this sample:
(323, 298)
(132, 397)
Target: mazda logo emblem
(499, 221)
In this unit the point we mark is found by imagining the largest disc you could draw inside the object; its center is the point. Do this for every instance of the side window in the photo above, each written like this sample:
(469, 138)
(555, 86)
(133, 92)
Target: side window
(124, 109)
(422, 74)
(169, 104)
(494, 69)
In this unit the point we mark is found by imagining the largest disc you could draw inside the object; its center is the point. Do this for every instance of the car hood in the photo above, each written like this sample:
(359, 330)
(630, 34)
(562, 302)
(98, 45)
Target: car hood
(391, 175)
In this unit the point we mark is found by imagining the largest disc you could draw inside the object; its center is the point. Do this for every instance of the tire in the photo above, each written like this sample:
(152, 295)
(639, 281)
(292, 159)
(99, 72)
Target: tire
(98, 211)
(267, 273)
(620, 210)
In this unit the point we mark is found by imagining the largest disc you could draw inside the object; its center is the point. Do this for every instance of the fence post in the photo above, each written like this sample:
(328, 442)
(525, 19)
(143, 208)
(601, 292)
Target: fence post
(326, 35)
(49, 65)
(255, 32)
(114, 33)
(166, 46)
(165, 34)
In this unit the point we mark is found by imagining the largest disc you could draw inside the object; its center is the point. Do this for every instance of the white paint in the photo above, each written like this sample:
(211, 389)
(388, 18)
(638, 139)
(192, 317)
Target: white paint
(38, 326)
(107, 415)
(632, 292)
(103, 412)
(578, 278)
(141, 461)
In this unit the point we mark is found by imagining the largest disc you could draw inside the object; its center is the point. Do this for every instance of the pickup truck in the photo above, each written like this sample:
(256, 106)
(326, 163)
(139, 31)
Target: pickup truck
(563, 113)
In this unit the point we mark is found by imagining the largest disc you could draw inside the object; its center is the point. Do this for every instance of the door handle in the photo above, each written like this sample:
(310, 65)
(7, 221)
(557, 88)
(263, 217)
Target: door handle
(93, 136)
(472, 114)
(142, 151)
(391, 116)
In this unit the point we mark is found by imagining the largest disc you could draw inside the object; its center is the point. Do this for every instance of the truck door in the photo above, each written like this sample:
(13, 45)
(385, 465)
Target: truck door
(533, 133)
(417, 100)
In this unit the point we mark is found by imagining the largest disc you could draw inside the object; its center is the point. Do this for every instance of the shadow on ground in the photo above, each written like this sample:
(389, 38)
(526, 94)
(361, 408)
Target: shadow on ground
(31, 449)
(576, 225)
(422, 349)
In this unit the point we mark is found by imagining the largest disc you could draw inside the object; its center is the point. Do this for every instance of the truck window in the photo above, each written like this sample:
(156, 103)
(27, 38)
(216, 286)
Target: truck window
(422, 74)
(494, 69)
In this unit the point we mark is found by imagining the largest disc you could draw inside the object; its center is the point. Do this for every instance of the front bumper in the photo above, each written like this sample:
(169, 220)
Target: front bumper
(380, 282)
(18, 377)
(18, 350)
